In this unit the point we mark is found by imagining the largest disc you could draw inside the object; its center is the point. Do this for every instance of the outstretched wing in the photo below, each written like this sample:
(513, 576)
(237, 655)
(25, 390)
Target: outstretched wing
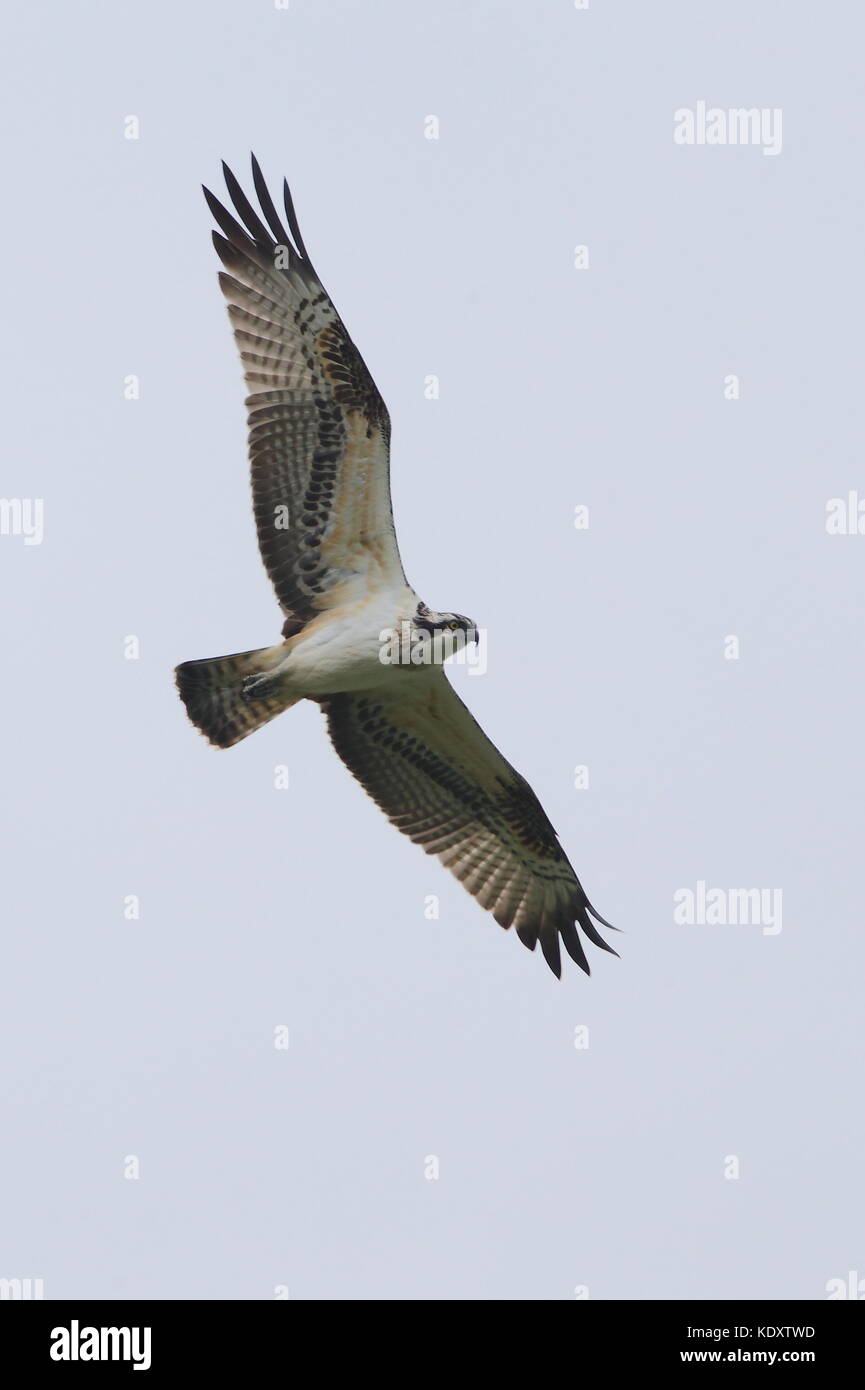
(319, 431)
(431, 768)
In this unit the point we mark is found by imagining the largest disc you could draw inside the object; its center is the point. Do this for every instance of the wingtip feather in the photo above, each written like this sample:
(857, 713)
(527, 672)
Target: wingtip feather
(552, 955)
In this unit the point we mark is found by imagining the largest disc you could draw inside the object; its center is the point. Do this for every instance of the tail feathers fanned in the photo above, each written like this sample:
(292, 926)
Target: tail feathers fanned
(224, 698)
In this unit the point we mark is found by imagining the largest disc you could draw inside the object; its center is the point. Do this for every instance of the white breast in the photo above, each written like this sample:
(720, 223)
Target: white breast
(341, 649)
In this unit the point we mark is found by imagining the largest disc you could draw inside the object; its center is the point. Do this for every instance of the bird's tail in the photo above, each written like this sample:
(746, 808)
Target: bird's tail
(228, 697)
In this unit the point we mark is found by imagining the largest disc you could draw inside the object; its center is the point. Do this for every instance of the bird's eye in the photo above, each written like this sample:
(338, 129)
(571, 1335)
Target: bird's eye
(453, 625)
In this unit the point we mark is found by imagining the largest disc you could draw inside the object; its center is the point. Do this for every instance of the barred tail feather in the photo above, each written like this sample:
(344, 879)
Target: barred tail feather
(221, 699)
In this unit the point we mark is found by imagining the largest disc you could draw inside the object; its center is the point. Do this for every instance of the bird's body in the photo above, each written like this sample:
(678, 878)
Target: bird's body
(340, 649)
(357, 639)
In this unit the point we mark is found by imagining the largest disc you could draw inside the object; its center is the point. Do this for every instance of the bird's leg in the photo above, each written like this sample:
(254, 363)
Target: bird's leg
(261, 687)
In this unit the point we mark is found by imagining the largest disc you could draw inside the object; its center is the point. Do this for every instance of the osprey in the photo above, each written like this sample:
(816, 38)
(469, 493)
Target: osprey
(319, 445)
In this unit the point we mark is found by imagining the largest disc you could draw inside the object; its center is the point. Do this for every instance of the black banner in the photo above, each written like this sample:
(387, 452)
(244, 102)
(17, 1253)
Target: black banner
(157, 1339)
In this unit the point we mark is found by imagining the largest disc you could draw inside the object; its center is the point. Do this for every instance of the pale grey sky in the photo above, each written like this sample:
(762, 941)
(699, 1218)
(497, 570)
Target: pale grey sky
(560, 1167)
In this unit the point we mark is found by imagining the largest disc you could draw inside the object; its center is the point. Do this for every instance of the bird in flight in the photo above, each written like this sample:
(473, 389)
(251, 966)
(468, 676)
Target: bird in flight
(353, 629)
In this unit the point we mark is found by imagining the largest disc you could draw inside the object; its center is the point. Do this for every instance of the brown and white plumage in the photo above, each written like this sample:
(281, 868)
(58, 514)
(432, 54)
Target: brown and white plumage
(319, 441)
(428, 764)
(319, 431)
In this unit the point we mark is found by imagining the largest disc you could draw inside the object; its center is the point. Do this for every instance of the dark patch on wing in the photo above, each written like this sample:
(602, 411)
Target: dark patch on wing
(295, 446)
(347, 373)
(527, 818)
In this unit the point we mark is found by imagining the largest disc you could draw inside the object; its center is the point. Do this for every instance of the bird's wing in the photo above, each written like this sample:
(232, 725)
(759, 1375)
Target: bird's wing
(429, 765)
(319, 431)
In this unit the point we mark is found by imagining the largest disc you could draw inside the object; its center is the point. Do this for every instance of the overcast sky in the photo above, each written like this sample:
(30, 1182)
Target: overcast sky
(693, 378)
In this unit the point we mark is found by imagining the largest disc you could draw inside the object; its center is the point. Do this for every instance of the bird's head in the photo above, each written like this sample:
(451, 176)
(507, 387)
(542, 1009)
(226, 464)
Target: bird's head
(427, 620)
